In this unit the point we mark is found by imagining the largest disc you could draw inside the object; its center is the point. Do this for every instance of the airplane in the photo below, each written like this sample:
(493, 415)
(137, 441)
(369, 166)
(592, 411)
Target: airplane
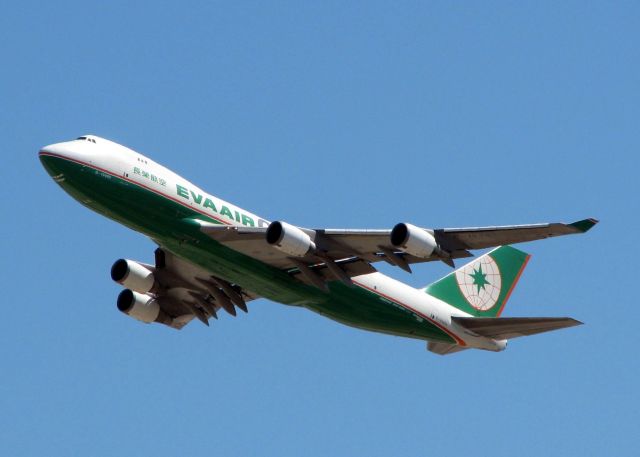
(213, 256)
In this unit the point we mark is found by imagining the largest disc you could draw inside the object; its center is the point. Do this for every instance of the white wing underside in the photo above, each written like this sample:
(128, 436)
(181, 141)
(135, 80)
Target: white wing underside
(190, 291)
(370, 246)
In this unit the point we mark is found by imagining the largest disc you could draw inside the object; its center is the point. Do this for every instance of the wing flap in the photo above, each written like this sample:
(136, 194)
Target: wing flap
(337, 244)
(190, 291)
(502, 328)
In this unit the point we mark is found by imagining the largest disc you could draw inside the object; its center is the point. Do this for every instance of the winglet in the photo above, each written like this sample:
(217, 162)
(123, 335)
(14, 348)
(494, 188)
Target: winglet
(584, 225)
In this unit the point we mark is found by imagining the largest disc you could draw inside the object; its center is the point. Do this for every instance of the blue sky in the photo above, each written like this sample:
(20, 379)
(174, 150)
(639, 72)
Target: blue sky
(326, 115)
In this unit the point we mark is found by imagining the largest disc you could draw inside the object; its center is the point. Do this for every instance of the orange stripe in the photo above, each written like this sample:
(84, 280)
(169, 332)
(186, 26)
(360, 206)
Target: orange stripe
(440, 326)
(513, 285)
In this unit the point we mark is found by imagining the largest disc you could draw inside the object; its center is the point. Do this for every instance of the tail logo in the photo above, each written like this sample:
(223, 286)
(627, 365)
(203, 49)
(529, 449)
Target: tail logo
(480, 283)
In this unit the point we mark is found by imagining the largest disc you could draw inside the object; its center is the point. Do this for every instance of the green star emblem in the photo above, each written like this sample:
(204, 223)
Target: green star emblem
(479, 278)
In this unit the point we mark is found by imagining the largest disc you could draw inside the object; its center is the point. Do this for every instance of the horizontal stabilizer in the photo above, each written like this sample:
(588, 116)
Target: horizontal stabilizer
(444, 348)
(502, 328)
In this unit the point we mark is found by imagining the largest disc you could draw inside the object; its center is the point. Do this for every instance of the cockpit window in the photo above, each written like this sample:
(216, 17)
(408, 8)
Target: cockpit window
(91, 140)
(81, 138)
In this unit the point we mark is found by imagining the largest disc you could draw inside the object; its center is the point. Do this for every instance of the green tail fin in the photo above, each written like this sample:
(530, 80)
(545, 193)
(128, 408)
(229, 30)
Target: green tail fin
(482, 287)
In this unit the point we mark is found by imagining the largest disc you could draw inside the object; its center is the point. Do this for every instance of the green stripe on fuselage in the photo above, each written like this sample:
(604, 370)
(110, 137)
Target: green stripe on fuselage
(170, 224)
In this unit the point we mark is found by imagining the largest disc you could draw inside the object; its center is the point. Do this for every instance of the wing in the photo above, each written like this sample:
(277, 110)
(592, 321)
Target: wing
(184, 291)
(485, 237)
(502, 328)
(358, 249)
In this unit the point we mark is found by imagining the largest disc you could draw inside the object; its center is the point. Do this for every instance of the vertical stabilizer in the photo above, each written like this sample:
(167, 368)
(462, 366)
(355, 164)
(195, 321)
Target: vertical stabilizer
(482, 287)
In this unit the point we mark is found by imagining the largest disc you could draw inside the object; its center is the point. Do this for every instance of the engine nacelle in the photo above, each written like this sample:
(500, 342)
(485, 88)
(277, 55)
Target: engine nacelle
(289, 239)
(143, 307)
(133, 275)
(413, 240)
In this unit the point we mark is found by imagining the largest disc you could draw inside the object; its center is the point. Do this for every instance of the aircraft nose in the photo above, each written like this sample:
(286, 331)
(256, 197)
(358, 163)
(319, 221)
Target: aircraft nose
(51, 157)
(52, 150)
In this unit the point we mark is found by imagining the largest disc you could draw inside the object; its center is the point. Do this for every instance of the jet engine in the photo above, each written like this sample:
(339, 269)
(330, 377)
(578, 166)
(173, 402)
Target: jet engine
(143, 307)
(413, 240)
(289, 239)
(133, 275)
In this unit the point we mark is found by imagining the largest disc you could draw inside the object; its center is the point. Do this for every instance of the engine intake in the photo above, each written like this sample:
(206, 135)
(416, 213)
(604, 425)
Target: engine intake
(133, 275)
(413, 240)
(142, 307)
(289, 239)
